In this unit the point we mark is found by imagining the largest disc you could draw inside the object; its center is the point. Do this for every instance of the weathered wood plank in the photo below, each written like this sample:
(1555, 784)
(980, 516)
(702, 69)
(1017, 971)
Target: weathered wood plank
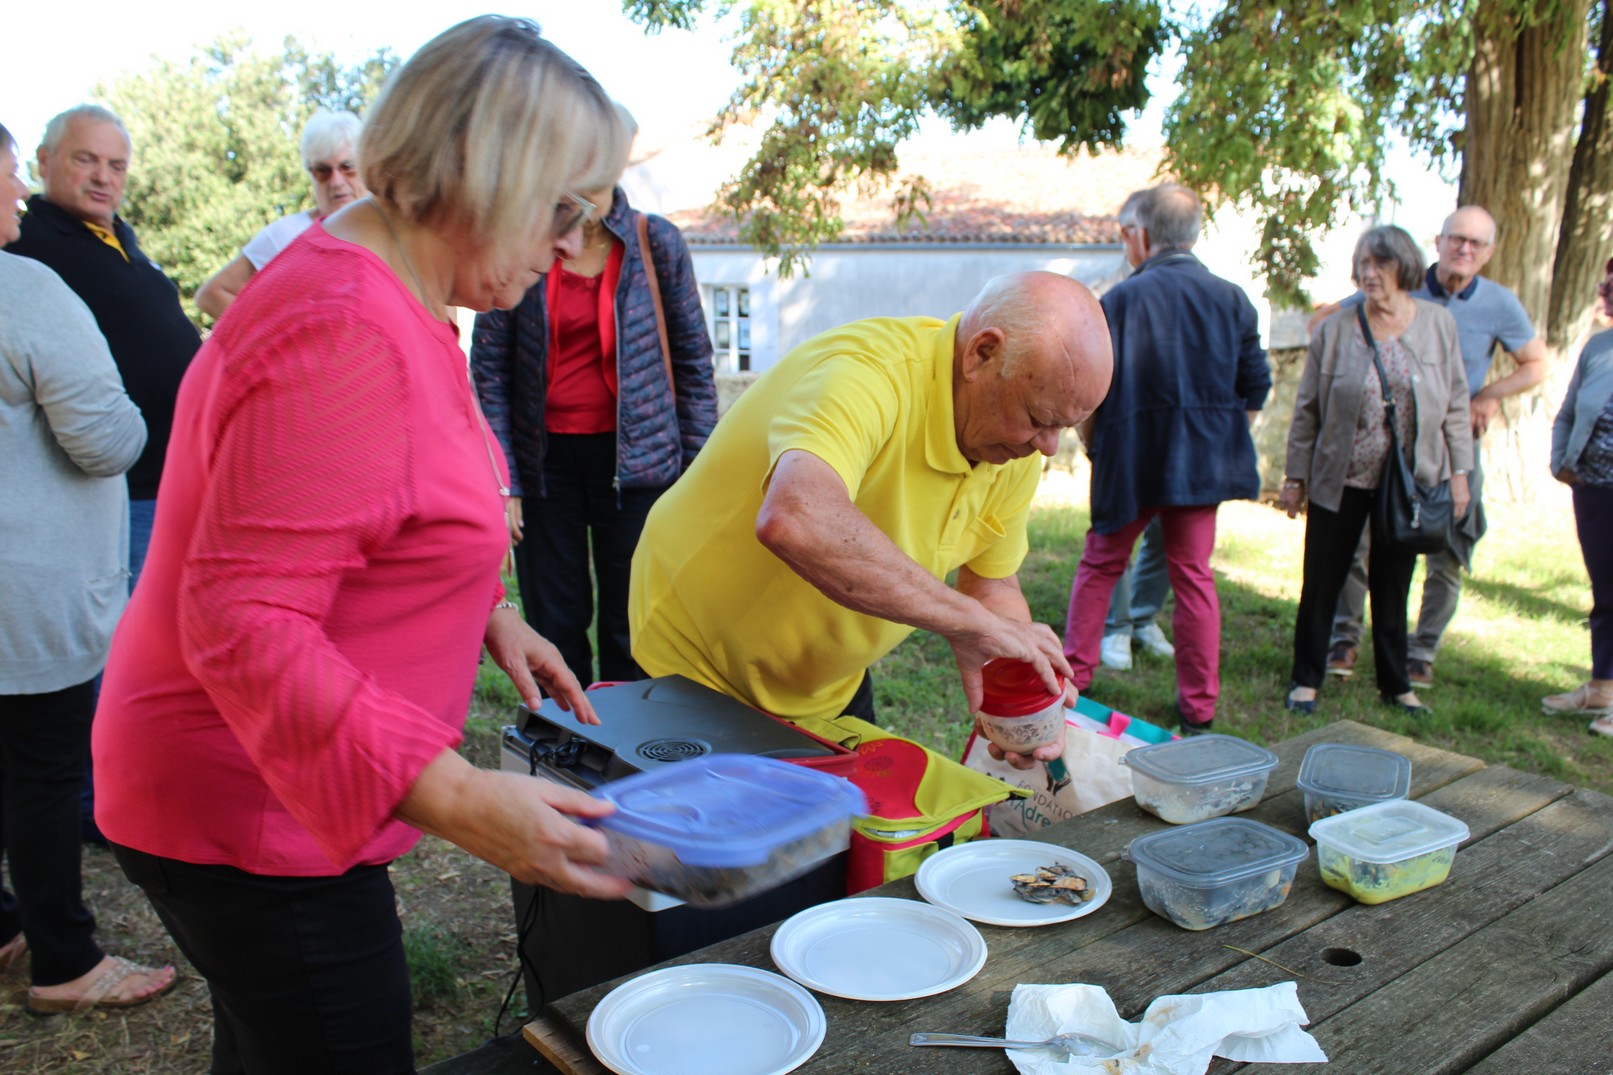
(1154, 957)
(1112, 944)
(1452, 1011)
(559, 1047)
(1343, 960)
(1577, 1037)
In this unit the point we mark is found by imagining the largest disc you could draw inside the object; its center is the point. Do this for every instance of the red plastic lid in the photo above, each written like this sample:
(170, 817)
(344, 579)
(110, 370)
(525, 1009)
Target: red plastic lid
(1013, 689)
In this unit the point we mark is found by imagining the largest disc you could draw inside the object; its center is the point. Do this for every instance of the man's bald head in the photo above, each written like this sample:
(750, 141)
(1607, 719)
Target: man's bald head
(1032, 356)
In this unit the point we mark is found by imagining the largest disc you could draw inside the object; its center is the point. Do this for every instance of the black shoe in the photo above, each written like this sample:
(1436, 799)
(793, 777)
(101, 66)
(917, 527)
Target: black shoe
(1191, 728)
(1291, 703)
(1408, 708)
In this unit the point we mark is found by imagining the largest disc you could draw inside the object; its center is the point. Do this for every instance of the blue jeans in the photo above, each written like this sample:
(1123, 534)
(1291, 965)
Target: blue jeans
(1142, 588)
(142, 514)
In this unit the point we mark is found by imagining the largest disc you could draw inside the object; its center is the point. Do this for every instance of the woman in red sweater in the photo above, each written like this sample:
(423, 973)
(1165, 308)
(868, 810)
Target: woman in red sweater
(285, 692)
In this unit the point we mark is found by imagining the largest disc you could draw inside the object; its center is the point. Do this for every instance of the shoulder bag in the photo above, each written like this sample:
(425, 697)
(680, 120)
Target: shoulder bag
(1410, 516)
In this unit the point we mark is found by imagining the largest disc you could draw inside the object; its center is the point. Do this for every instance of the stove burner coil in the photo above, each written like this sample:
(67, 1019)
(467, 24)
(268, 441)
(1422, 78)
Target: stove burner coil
(668, 750)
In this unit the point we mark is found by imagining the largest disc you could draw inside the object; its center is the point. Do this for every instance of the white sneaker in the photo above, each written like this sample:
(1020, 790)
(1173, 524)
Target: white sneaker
(1117, 652)
(1152, 639)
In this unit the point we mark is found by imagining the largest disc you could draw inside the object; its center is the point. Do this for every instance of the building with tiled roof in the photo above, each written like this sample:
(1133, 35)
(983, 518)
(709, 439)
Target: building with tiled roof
(1024, 195)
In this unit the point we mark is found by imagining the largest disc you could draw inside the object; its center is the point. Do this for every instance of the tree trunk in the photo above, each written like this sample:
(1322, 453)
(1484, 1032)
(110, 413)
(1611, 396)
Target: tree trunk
(1523, 93)
(1587, 229)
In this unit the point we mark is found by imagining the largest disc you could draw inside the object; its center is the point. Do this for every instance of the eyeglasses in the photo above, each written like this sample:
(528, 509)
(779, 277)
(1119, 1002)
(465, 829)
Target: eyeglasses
(572, 213)
(322, 172)
(1460, 241)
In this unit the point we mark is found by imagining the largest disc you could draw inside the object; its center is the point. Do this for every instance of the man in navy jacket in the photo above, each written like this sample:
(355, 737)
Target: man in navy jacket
(1170, 440)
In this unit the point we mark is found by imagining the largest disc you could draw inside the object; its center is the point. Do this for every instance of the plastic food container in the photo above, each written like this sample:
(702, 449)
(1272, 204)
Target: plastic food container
(1199, 778)
(1016, 712)
(1217, 871)
(1336, 777)
(1392, 849)
(717, 829)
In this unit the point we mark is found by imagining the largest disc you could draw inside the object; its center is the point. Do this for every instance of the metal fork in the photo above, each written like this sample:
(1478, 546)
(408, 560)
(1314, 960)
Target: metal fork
(1070, 1044)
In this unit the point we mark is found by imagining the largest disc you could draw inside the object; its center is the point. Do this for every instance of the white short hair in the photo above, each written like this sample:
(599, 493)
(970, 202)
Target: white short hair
(56, 129)
(326, 133)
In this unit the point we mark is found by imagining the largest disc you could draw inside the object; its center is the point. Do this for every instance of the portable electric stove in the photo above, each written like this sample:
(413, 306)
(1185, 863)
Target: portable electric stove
(569, 943)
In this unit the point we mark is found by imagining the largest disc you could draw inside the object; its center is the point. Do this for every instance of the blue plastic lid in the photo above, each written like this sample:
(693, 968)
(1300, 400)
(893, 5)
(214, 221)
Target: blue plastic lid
(728, 809)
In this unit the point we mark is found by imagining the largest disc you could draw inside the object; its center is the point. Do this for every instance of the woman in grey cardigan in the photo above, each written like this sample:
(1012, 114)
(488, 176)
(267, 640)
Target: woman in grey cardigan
(68, 431)
(1582, 457)
(1339, 443)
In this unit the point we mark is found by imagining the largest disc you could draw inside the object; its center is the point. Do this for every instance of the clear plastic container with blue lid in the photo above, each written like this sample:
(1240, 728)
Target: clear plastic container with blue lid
(1336, 777)
(714, 830)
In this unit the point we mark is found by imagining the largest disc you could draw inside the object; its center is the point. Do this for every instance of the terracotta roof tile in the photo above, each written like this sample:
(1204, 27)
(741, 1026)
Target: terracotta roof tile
(1021, 194)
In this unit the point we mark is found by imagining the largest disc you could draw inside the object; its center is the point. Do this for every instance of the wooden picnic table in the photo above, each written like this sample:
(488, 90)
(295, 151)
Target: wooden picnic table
(1506, 968)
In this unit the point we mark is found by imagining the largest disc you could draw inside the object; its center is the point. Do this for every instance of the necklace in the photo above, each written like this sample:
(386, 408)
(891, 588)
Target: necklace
(476, 407)
(403, 253)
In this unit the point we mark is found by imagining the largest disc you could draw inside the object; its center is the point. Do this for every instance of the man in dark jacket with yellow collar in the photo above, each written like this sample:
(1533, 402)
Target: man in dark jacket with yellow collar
(74, 229)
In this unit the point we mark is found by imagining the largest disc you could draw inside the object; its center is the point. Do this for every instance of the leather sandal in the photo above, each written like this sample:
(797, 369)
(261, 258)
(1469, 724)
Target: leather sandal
(12, 951)
(1583, 701)
(101, 991)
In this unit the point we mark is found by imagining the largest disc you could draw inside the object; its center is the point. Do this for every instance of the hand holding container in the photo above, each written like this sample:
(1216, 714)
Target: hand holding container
(714, 830)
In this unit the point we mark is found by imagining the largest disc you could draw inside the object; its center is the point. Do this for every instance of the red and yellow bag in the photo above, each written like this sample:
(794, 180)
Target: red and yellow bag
(918, 801)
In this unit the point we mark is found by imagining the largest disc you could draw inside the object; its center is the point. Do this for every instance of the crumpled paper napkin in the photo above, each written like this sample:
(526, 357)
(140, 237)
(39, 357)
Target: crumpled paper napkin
(1178, 1035)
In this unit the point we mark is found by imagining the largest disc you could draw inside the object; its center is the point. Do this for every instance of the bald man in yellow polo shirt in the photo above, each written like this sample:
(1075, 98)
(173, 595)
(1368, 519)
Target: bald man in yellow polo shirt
(818, 525)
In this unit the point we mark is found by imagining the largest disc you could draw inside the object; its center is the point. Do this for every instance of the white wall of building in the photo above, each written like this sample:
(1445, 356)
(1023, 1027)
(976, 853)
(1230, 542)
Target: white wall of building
(851, 282)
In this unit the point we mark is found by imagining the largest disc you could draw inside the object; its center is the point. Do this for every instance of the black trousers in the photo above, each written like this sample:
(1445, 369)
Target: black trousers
(307, 974)
(1330, 541)
(44, 745)
(581, 512)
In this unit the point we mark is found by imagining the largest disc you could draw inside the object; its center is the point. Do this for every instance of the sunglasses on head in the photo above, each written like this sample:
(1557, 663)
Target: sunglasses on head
(571, 213)
(322, 171)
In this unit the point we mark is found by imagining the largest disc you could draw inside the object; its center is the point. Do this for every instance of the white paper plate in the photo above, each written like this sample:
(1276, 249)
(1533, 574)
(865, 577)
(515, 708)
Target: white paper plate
(972, 880)
(712, 1018)
(878, 949)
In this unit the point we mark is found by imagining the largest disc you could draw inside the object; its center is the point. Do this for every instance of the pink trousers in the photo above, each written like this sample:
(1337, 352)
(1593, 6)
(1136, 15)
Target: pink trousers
(1196, 623)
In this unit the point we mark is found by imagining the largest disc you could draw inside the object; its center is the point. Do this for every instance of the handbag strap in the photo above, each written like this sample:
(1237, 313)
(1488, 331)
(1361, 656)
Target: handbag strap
(1383, 378)
(647, 255)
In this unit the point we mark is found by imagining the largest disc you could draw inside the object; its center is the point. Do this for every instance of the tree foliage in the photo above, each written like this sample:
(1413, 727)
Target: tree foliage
(216, 145)
(1287, 107)
(841, 83)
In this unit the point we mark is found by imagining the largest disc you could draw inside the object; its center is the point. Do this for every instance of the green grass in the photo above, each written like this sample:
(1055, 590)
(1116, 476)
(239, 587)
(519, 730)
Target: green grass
(433, 965)
(1520, 633)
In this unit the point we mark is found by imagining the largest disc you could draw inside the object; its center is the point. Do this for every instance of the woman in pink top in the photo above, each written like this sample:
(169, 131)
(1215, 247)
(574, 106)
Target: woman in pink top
(285, 693)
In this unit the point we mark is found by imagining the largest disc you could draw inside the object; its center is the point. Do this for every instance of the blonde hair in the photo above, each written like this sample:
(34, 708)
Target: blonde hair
(485, 129)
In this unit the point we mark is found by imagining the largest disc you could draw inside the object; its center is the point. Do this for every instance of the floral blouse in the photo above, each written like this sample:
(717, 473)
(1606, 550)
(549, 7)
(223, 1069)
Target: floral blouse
(1371, 446)
(1595, 465)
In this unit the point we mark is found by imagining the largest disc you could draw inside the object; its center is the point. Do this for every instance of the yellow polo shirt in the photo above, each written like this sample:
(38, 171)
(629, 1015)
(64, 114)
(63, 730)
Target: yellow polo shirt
(874, 401)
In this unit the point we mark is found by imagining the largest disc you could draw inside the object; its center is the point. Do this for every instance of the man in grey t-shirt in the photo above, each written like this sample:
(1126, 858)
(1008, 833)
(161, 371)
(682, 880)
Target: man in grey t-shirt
(1486, 314)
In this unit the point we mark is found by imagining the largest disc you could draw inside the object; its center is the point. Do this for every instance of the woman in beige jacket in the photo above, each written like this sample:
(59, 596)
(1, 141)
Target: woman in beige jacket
(1339, 443)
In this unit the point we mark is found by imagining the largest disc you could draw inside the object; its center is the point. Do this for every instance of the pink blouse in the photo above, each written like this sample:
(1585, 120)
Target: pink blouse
(304, 637)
